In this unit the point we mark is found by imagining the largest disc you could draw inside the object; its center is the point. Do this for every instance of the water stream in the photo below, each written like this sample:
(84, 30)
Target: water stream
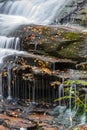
(13, 14)
(36, 11)
(1, 89)
(61, 93)
(9, 46)
(84, 116)
(9, 43)
(9, 84)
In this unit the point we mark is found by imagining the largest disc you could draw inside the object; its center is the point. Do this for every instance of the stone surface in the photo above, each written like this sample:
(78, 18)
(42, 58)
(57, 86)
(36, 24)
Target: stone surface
(52, 51)
(16, 116)
(80, 127)
(60, 42)
(75, 13)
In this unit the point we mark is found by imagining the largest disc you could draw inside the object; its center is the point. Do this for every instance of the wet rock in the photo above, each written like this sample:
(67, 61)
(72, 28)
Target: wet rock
(40, 117)
(75, 12)
(3, 128)
(13, 113)
(73, 74)
(53, 41)
(2, 121)
(82, 66)
(49, 62)
(23, 103)
(57, 110)
(80, 127)
(17, 123)
(45, 127)
(20, 124)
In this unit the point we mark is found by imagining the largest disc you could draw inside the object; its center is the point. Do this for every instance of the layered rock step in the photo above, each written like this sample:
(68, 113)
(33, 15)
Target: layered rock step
(51, 52)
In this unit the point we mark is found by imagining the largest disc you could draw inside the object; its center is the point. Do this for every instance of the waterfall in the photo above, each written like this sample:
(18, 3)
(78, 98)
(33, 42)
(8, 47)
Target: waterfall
(36, 10)
(84, 116)
(9, 43)
(33, 91)
(8, 46)
(14, 13)
(1, 89)
(8, 23)
(61, 93)
(9, 83)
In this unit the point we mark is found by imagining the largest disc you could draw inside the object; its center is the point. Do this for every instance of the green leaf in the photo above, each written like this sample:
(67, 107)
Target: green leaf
(71, 82)
(62, 98)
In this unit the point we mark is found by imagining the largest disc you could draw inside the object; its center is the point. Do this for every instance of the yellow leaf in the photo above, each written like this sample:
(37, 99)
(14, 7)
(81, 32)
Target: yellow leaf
(83, 66)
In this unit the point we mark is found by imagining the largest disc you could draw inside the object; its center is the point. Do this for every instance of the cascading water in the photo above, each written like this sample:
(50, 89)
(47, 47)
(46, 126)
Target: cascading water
(9, 46)
(14, 14)
(9, 23)
(83, 117)
(36, 11)
(61, 93)
(9, 43)
(1, 91)
(9, 84)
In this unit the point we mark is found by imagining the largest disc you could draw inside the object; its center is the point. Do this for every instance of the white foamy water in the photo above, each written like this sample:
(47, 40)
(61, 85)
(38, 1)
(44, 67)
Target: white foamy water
(9, 52)
(8, 23)
(16, 13)
(9, 43)
(34, 10)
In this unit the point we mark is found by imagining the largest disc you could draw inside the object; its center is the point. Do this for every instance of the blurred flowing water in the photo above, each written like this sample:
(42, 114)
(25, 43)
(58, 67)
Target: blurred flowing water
(27, 12)
(13, 14)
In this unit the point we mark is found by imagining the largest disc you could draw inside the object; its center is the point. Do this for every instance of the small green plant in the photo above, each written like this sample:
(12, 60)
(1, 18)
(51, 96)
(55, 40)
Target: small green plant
(71, 82)
(75, 129)
(77, 98)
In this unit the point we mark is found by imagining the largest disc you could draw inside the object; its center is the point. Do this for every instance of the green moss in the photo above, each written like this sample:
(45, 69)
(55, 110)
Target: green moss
(67, 49)
(67, 45)
(75, 128)
(50, 47)
(70, 51)
(72, 35)
(71, 82)
(46, 31)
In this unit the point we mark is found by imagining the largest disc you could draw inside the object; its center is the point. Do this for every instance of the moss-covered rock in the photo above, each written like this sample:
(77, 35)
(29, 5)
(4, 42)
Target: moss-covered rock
(53, 41)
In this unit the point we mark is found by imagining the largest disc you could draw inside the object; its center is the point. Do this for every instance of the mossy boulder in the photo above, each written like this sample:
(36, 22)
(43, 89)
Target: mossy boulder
(53, 41)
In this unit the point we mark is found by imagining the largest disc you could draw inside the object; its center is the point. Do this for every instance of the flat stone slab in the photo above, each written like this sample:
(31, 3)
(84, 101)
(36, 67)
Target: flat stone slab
(80, 127)
(3, 128)
(58, 41)
(72, 74)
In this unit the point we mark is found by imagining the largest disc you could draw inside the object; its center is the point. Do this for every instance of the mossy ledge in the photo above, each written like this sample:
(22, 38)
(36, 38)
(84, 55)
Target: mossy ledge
(59, 42)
